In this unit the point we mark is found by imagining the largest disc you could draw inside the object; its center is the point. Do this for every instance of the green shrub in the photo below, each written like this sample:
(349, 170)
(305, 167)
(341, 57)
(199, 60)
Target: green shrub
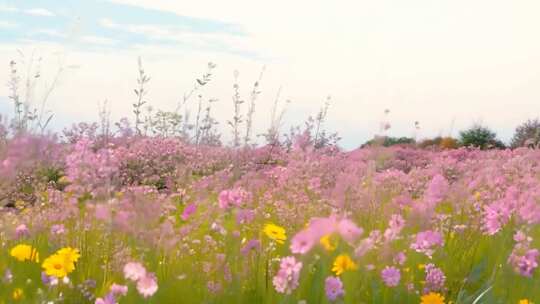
(480, 137)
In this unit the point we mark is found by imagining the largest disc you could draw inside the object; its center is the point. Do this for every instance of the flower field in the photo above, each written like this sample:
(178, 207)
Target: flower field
(152, 220)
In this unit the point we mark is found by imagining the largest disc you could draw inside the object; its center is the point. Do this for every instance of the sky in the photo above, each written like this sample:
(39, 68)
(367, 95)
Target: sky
(445, 64)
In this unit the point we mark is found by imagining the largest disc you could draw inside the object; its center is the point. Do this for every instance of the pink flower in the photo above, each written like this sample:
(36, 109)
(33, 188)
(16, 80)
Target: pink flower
(21, 231)
(134, 271)
(286, 280)
(302, 242)
(426, 241)
(348, 230)
(119, 290)
(188, 211)
(147, 286)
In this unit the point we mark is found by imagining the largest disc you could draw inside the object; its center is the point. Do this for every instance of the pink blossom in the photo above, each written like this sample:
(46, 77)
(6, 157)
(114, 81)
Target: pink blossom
(147, 285)
(134, 271)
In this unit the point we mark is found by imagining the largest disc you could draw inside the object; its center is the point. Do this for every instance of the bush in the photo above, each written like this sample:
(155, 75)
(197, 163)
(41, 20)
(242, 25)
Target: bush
(480, 137)
(387, 141)
(449, 143)
(527, 134)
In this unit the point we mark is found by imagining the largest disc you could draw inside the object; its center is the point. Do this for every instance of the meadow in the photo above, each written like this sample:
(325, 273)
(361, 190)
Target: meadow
(141, 219)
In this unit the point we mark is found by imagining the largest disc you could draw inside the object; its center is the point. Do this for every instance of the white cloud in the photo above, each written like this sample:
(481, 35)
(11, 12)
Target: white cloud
(40, 12)
(8, 9)
(98, 40)
(8, 25)
(49, 32)
(170, 33)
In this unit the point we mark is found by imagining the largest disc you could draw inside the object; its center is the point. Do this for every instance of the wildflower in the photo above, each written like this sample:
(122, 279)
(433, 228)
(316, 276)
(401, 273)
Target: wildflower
(333, 288)
(275, 232)
(525, 301)
(327, 244)
(395, 225)
(21, 231)
(435, 278)
(286, 280)
(343, 263)
(17, 294)
(134, 271)
(119, 290)
(348, 230)
(108, 299)
(249, 246)
(432, 298)
(391, 276)
(58, 229)
(400, 258)
(57, 266)
(188, 211)
(426, 241)
(147, 285)
(71, 255)
(23, 252)
(302, 242)
(525, 264)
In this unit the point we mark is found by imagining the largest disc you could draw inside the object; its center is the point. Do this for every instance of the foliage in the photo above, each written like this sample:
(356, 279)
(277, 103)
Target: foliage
(527, 134)
(480, 137)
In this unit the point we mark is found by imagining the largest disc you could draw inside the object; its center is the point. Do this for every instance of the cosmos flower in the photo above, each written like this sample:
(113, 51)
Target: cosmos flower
(134, 271)
(147, 285)
(286, 279)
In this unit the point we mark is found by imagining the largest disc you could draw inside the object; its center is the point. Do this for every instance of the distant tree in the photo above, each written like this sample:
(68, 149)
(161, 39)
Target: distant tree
(387, 141)
(480, 137)
(527, 134)
(449, 143)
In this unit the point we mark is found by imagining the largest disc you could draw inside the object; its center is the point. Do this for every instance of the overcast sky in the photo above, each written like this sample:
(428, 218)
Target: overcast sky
(446, 64)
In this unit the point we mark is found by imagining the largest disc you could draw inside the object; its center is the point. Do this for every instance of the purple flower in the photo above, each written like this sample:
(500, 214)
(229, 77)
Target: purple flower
(391, 276)
(58, 229)
(250, 245)
(525, 264)
(400, 258)
(435, 279)
(286, 280)
(333, 288)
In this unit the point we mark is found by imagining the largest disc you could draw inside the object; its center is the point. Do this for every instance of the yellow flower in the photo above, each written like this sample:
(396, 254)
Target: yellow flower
(17, 294)
(342, 263)
(421, 266)
(432, 298)
(57, 266)
(23, 252)
(525, 301)
(71, 254)
(275, 232)
(326, 242)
